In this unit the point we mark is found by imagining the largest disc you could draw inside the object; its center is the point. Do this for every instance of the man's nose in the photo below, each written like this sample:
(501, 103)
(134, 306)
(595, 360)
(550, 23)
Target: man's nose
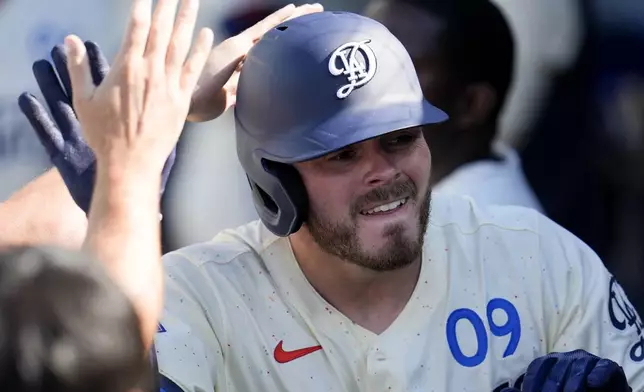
(380, 166)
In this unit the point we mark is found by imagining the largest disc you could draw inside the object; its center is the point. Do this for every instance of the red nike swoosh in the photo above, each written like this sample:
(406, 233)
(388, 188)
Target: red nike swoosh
(282, 356)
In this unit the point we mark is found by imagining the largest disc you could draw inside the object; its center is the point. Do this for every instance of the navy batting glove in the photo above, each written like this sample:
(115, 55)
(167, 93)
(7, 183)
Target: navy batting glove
(575, 371)
(61, 133)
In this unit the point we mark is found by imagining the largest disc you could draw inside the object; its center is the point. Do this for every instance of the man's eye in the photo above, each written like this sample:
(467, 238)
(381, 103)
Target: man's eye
(345, 155)
(401, 140)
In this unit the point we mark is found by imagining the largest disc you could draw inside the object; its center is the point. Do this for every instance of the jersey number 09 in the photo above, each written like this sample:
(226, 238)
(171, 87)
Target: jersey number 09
(511, 327)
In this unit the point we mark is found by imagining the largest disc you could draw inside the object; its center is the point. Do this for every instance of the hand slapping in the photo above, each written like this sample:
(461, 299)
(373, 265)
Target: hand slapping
(135, 116)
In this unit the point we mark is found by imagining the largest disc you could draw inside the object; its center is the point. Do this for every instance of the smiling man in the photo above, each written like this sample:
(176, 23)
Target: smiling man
(350, 281)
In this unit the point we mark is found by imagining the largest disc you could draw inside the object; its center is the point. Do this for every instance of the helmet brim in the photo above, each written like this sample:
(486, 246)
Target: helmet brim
(351, 127)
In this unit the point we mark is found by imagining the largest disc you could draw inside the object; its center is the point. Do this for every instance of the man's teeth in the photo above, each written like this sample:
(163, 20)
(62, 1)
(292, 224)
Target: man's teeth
(386, 207)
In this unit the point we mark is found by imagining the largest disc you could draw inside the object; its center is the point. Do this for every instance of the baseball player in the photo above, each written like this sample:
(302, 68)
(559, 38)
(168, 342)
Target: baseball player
(349, 282)
(355, 278)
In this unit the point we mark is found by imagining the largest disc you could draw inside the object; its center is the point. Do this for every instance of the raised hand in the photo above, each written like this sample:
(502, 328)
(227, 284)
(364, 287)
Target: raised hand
(217, 87)
(136, 115)
(132, 121)
(60, 133)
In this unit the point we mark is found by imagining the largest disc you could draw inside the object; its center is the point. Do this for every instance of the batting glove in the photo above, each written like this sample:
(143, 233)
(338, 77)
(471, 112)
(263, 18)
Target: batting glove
(575, 371)
(61, 133)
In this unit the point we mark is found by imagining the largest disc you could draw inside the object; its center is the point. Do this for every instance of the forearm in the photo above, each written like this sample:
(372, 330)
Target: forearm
(42, 212)
(124, 233)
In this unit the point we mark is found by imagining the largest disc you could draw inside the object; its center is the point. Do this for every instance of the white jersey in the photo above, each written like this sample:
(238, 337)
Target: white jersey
(498, 288)
(491, 182)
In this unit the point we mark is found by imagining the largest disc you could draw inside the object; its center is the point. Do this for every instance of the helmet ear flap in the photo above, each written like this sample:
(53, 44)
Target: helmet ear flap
(281, 199)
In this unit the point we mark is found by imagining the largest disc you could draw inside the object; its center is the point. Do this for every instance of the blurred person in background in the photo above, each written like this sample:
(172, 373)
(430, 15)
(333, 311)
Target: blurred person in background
(464, 53)
(549, 35)
(67, 326)
(622, 167)
(581, 157)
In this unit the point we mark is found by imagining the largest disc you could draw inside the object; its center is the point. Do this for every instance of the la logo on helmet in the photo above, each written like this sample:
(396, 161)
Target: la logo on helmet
(357, 62)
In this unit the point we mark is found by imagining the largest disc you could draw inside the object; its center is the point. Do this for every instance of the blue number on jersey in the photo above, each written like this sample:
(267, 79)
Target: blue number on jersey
(511, 327)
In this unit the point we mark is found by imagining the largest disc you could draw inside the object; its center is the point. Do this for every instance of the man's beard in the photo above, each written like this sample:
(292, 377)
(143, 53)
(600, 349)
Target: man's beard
(342, 240)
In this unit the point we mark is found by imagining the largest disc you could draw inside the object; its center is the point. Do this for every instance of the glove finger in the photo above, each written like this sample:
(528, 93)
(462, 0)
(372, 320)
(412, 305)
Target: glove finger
(607, 373)
(167, 168)
(46, 130)
(578, 373)
(537, 373)
(59, 104)
(98, 64)
(59, 56)
(556, 379)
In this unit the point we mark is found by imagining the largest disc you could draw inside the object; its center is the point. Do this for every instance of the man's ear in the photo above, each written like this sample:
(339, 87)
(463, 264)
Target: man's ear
(475, 106)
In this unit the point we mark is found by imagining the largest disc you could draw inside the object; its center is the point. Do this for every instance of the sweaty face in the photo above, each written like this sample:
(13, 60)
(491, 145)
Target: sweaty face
(369, 203)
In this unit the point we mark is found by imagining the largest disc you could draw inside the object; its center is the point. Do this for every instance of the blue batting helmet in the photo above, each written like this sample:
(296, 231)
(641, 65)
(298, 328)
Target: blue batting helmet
(313, 85)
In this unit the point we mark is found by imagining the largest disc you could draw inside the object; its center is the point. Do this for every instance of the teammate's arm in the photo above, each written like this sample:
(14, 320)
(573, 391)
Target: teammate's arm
(42, 212)
(132, 122)
(589, 309)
